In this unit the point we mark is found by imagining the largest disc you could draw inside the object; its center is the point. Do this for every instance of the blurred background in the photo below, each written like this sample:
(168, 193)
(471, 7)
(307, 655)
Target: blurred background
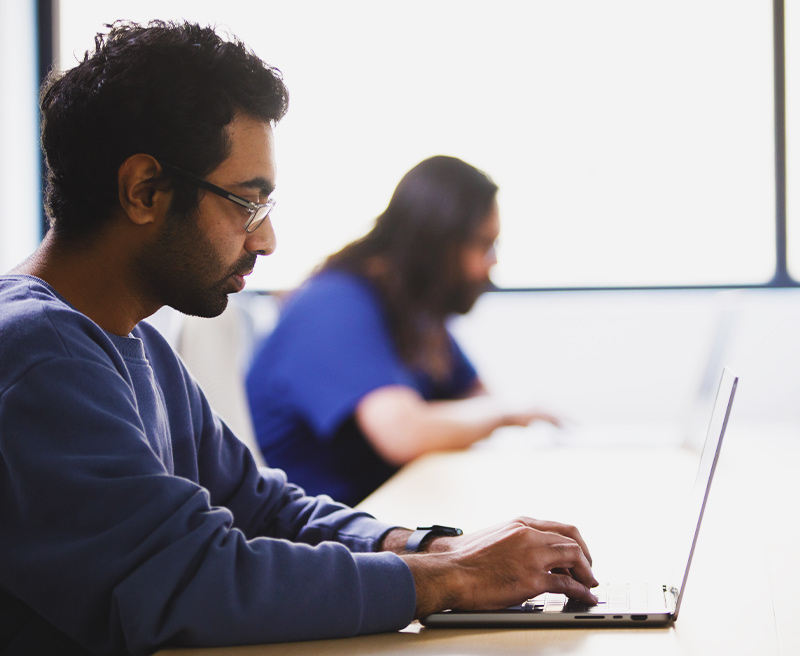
(644, 151)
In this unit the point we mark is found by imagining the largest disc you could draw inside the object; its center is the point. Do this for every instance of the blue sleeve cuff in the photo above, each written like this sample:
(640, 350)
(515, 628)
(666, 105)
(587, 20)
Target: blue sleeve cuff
(389, 595)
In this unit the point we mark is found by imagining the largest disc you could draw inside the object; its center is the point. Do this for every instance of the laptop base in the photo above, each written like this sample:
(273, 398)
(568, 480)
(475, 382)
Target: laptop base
(650, 605)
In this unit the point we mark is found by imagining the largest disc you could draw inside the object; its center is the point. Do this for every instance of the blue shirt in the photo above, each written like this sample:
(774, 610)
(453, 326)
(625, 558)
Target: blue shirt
(330, 348)
(132, 518)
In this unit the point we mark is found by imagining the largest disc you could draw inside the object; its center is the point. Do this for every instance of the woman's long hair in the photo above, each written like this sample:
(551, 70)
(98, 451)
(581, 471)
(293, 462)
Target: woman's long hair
(412, 254)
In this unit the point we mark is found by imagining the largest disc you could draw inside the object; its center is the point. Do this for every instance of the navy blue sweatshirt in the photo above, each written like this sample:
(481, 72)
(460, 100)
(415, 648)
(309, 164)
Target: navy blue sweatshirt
(131, 518)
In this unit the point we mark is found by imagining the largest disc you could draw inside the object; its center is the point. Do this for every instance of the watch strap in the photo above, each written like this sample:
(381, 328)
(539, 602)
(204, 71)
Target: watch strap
(417, 539)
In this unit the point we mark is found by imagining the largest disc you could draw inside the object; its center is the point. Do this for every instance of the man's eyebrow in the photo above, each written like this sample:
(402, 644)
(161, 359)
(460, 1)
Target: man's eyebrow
(264, 186)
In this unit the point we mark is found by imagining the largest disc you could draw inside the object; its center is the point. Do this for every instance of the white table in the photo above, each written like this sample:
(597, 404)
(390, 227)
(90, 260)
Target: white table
(629, 504)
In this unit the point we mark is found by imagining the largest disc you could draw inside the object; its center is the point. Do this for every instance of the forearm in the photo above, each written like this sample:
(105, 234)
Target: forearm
(264, 504)
(317, 519)
(401, 426)
(459, 423)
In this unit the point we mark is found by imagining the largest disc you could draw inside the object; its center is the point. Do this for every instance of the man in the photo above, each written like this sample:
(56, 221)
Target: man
(361, 375)
(131, 517)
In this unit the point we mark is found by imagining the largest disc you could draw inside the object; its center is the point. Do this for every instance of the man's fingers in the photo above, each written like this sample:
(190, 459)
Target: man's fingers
(561, 529)
(569, 557)
(575, 534)
(568, 572)
(563, 552)
(563, 584)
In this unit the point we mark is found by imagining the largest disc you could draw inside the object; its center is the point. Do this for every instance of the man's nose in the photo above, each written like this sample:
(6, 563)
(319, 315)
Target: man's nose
(262, 240)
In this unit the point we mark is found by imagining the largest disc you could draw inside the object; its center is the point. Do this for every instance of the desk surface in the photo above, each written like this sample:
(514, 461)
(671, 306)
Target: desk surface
(629, 505)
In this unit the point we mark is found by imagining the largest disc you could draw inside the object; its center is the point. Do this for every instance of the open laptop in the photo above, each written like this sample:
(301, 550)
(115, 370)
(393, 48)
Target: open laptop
(626, 604)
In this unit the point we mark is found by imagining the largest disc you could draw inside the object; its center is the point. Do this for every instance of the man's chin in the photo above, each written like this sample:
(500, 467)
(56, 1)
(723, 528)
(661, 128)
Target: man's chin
(208, 308)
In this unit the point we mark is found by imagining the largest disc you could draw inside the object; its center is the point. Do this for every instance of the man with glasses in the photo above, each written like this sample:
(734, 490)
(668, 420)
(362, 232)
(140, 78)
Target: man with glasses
(130, 516)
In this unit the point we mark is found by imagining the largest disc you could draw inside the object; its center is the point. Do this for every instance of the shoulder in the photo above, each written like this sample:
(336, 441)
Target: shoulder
(332, 296)
(331, 286)
(37, 324)
(333, 316)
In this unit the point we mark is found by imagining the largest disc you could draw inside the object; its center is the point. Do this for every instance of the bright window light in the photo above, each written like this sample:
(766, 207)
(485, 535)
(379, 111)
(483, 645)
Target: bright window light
(633, 141)
(20, 197)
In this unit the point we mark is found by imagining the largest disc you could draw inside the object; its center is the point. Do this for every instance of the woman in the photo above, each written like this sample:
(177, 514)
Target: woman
(361, 375)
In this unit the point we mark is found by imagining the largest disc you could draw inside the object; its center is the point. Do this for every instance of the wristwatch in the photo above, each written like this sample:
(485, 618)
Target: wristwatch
(423, 533)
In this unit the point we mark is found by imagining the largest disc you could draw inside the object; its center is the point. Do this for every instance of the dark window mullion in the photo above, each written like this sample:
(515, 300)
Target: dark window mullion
(47, 40)
(782, 278)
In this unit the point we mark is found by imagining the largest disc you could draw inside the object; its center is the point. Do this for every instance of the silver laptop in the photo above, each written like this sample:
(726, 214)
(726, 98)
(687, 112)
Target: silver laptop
(625, 604)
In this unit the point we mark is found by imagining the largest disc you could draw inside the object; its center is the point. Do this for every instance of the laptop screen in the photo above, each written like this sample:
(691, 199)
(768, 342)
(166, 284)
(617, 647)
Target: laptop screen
(705, 471)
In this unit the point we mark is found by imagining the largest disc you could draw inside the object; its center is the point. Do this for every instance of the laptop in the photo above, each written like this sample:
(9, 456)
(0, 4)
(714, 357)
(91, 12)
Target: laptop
(625, 604)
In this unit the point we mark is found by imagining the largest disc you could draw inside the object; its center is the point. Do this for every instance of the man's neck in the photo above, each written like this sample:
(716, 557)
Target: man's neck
(92, 278)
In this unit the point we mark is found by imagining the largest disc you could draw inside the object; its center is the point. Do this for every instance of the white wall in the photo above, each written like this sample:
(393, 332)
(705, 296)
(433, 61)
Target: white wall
(624, 362)
(639, 355)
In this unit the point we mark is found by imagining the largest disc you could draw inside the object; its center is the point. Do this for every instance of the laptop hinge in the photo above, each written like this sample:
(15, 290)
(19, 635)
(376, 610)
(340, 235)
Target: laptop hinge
(671, 596)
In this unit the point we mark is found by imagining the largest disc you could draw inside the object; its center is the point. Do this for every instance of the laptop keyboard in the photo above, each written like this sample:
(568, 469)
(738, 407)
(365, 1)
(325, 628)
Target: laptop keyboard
(612, 598)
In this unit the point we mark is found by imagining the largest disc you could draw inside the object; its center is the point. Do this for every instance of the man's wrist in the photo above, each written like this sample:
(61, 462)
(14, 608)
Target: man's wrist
(395, 540)
(435, 582)
(440, 544)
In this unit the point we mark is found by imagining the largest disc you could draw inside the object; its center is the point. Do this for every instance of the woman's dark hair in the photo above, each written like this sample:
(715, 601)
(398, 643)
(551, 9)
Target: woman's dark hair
(165, 89)
(411, 255)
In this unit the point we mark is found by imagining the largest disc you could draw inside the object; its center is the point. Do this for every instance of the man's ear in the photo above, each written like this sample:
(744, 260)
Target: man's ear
(142, 196)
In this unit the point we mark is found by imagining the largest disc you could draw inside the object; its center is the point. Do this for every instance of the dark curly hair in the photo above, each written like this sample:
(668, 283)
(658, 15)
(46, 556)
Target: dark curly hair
(165, 89)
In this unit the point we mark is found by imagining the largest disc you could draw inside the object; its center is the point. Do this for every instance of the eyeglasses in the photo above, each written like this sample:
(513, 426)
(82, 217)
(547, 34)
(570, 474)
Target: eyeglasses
(257, 211)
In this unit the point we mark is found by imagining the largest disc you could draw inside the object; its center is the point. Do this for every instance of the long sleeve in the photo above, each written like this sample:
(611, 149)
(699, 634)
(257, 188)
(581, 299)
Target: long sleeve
(128, 529)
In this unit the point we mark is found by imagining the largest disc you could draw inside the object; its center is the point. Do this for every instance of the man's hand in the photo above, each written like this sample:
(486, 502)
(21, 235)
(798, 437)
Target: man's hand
(502, 566)
(442, 544)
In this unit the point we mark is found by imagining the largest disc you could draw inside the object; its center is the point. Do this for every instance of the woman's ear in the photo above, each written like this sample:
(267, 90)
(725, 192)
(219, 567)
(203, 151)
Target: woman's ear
(142, 198)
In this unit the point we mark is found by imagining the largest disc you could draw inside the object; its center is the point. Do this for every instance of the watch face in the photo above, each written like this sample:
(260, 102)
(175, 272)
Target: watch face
(436, 529)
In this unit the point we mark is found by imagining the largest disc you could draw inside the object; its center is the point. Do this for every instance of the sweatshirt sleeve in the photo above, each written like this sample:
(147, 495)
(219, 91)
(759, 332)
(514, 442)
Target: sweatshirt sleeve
(124, 556)
(263, 503)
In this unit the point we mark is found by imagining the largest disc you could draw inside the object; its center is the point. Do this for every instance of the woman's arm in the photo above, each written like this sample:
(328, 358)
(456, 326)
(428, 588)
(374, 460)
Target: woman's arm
(401, 425)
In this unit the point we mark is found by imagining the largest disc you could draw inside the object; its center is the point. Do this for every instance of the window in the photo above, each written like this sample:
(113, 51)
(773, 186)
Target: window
(633, 142)
(19, 163)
